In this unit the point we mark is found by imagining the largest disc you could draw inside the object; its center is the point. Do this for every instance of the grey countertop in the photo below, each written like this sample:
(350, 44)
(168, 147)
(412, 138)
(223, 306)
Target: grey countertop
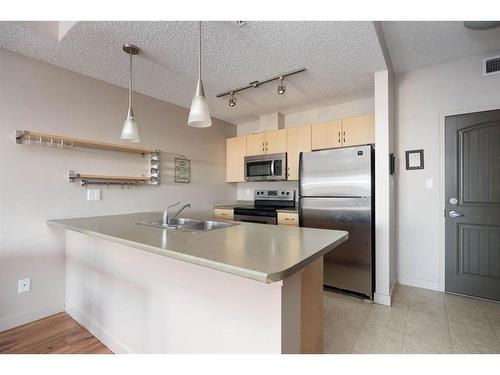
(250, 204)
(237, 204)
(288, 210)
(261, 252)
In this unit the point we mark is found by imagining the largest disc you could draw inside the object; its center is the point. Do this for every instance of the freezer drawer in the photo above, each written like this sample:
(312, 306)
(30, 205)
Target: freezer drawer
(350, 265)
(337, 172)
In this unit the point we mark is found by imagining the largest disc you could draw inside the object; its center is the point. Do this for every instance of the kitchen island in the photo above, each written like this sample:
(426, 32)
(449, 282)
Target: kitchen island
(248, 288)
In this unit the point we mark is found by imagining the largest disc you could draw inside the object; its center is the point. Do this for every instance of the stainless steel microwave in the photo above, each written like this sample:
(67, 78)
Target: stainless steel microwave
(265, 167)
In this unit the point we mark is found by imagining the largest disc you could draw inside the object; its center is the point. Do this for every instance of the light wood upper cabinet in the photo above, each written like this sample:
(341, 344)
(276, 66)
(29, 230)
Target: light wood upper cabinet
(271, 142)
(358, 130)
(276, 141)
(298, 140)
(256, 144)
(326, 135)
(348, 132)
(236, 149)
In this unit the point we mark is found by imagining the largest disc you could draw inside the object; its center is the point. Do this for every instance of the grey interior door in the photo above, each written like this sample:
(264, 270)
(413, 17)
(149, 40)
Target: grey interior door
(473, 204)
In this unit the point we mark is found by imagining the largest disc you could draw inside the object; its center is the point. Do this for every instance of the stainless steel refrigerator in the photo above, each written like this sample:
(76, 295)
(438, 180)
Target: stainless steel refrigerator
(336, 189)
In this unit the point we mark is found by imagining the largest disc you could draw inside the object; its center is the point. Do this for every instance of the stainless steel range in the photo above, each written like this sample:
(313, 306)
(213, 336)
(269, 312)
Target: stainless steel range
(266, 204)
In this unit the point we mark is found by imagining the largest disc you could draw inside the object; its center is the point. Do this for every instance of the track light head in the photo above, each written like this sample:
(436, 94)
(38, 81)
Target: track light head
(282, 86)
(232, 100)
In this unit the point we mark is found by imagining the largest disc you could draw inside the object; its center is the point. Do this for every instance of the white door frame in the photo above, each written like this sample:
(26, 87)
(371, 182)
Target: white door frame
(442, 171)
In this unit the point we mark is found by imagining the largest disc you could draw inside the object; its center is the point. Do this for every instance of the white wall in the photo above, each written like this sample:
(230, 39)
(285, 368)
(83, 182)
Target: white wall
(157, 304)
(350, 109)
(385, 189)
(424, 96)
(33, 180)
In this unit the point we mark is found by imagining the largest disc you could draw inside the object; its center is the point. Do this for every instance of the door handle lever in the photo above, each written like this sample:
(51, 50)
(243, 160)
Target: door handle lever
(455, 214)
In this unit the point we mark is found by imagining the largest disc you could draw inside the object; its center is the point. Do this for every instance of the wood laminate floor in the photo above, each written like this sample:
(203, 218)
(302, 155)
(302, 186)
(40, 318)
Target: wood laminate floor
(55, 334)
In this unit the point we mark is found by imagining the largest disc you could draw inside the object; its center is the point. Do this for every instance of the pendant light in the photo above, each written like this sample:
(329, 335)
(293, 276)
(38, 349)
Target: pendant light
(130, 132)
(199, 115)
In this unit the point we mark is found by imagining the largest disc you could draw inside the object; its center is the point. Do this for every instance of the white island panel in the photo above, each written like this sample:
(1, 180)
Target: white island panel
(140, 302)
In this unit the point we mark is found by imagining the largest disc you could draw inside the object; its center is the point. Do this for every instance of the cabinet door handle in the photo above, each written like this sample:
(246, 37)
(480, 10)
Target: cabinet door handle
(344, 137)
(339, 137)
(289, 219)
(267, 149)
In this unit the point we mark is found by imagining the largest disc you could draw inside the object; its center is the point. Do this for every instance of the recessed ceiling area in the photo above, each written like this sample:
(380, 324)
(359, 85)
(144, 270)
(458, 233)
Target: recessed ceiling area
(417, 44)
(340, 58)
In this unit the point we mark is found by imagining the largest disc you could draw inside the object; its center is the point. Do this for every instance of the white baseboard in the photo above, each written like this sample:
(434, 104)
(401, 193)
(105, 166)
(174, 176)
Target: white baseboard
(382, 299)
(419, 283)
(29, 316)
(116, 346)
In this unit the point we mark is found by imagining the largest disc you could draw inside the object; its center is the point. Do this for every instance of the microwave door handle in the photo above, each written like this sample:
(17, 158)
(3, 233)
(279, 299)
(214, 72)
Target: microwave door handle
(272, 167)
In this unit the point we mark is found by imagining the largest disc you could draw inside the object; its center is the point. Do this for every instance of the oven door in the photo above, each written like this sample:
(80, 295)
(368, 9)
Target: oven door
(255, 217)
(265, 167)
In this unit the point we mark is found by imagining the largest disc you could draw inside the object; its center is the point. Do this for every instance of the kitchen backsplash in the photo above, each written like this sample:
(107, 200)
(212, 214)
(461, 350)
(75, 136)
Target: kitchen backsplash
(246, 189)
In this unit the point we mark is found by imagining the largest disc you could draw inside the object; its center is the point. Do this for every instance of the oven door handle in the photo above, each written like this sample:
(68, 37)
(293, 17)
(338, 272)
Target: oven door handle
(255, 219)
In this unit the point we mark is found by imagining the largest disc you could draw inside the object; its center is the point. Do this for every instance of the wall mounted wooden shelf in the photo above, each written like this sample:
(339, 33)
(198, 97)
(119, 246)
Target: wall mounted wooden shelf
(30, 137)
(60, 141)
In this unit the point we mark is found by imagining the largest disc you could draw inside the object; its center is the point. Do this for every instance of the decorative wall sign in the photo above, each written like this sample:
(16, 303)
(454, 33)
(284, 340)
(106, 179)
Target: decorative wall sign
(182, 170)
(415, 159)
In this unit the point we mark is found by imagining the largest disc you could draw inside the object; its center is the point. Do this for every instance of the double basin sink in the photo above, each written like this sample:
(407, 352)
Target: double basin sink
(190, 225)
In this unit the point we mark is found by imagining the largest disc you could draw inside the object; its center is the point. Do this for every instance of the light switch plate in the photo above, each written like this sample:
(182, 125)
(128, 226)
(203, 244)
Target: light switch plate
(429, 183)
(94, 194)
(24, 285)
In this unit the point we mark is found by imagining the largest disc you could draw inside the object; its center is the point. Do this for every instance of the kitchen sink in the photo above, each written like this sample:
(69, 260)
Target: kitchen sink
(205, 225)
(191, 225)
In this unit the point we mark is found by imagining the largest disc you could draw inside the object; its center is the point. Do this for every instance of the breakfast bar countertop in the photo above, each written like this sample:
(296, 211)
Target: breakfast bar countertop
(266, 253)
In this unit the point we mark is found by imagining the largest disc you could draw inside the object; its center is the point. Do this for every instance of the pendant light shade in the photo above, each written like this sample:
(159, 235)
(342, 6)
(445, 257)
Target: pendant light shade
(130, 131)
(199, 114)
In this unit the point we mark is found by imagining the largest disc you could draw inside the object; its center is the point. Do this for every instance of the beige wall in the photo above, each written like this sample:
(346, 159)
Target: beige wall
(33, 180)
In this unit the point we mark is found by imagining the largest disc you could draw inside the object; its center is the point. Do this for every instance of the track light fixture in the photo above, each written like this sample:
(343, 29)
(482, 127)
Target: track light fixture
(232, 100)
(256, 84)
(282, 86)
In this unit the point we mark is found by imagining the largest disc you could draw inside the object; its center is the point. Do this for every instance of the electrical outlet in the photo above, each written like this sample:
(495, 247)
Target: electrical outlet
(94, 194)
(23, 285)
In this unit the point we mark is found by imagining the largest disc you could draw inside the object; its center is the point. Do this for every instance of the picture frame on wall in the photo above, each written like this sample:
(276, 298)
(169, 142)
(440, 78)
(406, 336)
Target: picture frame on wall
(182, 170)
(415, 159)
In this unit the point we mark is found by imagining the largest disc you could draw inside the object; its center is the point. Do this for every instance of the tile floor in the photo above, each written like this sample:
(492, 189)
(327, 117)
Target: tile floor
(419, 321)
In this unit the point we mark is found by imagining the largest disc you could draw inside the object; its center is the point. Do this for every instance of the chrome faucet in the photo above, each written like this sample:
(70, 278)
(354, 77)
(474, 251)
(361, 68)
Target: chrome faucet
(167, 219)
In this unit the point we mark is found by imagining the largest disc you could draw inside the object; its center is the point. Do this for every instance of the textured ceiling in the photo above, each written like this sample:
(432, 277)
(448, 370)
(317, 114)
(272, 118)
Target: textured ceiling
(418, 44)
(340, 58)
